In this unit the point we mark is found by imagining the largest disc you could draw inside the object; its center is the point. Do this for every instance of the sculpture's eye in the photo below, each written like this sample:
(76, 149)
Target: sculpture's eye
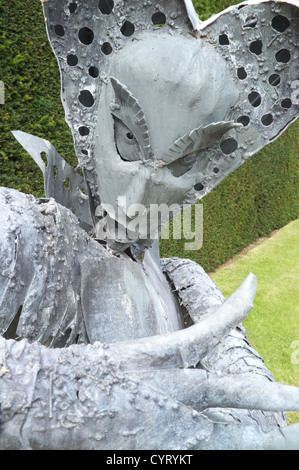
(126, 143)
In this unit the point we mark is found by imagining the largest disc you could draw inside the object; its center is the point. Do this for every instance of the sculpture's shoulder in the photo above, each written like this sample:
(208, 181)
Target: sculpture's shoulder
(193, 285)
(42, 248)
(60, 286)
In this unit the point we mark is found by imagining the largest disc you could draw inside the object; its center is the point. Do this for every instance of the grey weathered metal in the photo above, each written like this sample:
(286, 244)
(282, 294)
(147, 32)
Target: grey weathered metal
(93, 351)
(225, 87)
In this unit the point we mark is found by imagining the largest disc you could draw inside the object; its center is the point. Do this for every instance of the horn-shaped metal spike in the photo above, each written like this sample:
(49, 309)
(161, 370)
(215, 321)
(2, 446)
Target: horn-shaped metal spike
(185, 348)
(61, 181)
(200, 390)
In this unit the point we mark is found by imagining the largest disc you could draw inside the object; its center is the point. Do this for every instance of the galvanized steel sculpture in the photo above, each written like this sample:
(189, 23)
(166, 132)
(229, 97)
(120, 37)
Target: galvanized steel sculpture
(93, 352)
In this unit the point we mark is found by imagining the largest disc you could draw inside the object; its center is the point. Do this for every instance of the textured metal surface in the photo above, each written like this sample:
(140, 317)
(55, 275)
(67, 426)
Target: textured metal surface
(238, 67)
(41, 249)
(259, 42)
(93, 397)
(79, 398)
(195, 289)
(124, 297)
(59, 286)
(193, 388)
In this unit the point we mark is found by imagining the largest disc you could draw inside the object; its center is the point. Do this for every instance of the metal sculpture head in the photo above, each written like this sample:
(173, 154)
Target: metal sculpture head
(162, 106)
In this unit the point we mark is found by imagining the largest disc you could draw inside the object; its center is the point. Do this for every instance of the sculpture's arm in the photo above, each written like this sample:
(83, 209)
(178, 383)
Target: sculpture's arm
(201, 390)
(78, 398)
(58, 398)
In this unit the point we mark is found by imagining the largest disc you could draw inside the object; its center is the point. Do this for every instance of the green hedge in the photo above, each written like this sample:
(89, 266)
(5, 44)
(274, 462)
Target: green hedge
(30, 73)
(257, 198)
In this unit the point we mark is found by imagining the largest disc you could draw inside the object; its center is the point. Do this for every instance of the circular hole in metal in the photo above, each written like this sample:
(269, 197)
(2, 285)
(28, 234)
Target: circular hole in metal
(106, 48)
(130, 135)
(85, 152)
(72, 60)
(255, 99)
(283, 56)
(267, 119)
(229, 145)
(216, 170)
(86, 35)
(256, 47)
(158, 19)
(286, 103)
(241, 72)
(223, 40)
(59, 30)
(280, 23)
(274, 79)
(83, 130)
(244, 120)
(93, 72)
(73, 7)
(127, 28)
(198, 187)
(86, 98)
(106, 6)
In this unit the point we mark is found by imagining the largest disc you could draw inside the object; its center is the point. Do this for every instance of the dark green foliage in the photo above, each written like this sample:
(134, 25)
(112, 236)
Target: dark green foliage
(260, 196)
(30, 73)
(207, 8)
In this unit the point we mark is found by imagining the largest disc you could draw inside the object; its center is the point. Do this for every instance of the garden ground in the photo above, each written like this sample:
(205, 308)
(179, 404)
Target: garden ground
(273, 324)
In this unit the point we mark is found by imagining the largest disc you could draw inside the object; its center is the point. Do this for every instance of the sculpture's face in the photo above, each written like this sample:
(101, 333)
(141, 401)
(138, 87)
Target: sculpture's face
(154, 108)
(163, 107)
(149, 146)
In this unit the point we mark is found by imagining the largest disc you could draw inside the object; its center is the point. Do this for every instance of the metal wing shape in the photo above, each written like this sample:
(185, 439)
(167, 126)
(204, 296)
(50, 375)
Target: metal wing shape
(61, 181)
(259, 41)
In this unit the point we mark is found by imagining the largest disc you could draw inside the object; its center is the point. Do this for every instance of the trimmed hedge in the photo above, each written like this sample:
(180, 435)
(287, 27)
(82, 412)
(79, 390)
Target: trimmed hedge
(259, 197)
(30, 73)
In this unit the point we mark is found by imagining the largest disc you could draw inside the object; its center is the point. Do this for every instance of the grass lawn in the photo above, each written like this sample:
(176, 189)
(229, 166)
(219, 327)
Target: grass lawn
(273, 324)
